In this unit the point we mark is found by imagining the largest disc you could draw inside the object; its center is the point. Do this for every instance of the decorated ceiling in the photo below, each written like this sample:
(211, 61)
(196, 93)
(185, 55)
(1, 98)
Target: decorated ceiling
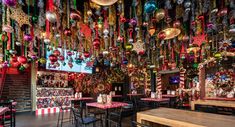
(157, 34)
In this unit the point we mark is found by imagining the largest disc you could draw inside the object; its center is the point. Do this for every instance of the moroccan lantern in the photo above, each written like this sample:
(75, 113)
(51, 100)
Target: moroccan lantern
(10, 3)
(161, 35)
(51, 16)
(7, 28)
(28, 37)
(160, 14)
(56, 52)
(53, 58)
(22, 59)
(104, 2)
(150, 6)
(75, 15)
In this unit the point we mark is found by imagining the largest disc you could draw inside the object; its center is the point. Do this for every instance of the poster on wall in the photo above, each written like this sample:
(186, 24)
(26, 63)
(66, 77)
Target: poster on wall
(72, 61)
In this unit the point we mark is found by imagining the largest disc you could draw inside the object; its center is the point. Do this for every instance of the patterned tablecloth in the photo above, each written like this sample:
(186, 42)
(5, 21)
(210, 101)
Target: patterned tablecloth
(155, 99)
(3, 110)
(107, 106)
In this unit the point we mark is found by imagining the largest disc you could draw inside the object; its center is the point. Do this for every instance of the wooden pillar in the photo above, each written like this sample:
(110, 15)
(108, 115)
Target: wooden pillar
(33, 85)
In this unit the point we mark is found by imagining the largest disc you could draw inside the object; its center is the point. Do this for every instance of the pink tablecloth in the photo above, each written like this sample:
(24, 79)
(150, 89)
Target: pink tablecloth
(81, 99)
(3, 110)
(155, 99)
(107, 106)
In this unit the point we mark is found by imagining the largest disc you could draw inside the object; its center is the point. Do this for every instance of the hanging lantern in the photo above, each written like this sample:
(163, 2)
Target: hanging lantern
(53, 58)
(22, 59)
(10, 3)
(104, 2)
(133, 21)
(75, 15)
(160, 14)
(51, 16)
(28, 37)
(7, 28)
(128, 46)
(86, 54)
(176, 24)
(96, 43)
(171, 33)
(42, 60)
(56, 52)
(151, 30)
(67, 32)
(162, 35)
(150, 6)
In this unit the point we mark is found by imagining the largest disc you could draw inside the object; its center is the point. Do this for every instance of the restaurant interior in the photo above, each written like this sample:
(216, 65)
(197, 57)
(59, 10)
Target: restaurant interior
(117, 63)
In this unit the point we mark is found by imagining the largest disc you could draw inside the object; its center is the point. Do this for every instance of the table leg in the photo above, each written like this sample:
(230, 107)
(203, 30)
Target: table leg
(106, 117)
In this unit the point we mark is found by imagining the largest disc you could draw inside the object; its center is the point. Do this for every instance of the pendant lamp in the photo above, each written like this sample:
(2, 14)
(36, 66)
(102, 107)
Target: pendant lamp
(104, 2)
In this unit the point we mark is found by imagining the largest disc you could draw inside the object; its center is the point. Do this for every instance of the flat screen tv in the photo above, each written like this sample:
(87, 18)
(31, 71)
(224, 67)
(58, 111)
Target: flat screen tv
(84, 66)
(174, 79)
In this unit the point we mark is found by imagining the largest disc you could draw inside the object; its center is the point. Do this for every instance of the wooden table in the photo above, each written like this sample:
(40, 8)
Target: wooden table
(106, 107)
(183, 118)
(218, 103)
(156, 101)
(81, 99)
(219, 98)
(116, 96)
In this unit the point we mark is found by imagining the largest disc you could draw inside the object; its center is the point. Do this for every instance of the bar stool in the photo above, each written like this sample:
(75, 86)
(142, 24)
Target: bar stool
(61, 118)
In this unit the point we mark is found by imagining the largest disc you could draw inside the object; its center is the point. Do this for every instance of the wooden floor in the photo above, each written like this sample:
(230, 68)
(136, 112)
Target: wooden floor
(30, 120)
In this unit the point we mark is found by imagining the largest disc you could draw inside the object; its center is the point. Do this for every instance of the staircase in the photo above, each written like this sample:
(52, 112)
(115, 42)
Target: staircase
(2, 79)
(17, 87)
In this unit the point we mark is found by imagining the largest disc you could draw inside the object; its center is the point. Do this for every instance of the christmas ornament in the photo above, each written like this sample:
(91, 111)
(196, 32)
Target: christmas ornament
(51, 16)
(19, 16)
(150, 6)
(10, 3)
(28, 37)
(138, 47)
(160, 14)
(22, 59)
(42, 60)
(171, 33)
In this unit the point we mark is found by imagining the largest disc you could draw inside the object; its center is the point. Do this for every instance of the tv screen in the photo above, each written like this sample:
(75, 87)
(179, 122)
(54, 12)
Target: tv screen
(84, 66)
(174, 80)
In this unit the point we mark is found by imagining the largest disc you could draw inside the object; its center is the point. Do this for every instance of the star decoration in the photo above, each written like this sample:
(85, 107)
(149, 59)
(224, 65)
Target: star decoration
(199, 39)
(138, 47)
(19, 16)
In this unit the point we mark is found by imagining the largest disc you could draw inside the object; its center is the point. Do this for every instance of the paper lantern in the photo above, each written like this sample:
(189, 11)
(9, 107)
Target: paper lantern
(104, 2)
(10, 3)
(51, 16)
(22, 59)
(150, 6)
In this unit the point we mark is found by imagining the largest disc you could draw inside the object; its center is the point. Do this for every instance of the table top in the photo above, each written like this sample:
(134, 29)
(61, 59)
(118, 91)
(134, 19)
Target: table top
(183, 118)
(116, 95)
(134, 94)
(221, 103)
(155, 99)
(3, 110)
(219, 98)
(81, 99)
(169, 95)
(107, 106)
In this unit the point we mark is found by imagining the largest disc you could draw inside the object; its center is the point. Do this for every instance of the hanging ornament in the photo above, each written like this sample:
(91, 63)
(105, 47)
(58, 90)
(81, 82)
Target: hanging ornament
(10, 3)
(162, 35)
(69, 53)
(168, 4)
(150, 6)
(42, 60)
(128, 46)
(104, 2)
(176, 24)
(96, 43)
(7, 28)
(133, 22)
(160, 14)
(170, 33)
(19, 16)
(75, 15)
(179, 1)
(86, 54)
(28, 37)
(67, 32)
(51, 16)
(138, 47)
(152, 30)
(22, 59)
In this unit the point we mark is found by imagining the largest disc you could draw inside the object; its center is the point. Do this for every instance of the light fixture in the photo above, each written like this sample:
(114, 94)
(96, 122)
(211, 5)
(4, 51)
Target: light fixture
(104, 2)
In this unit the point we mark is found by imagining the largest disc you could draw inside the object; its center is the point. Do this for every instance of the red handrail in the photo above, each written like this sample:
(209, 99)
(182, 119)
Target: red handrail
(2, 79)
